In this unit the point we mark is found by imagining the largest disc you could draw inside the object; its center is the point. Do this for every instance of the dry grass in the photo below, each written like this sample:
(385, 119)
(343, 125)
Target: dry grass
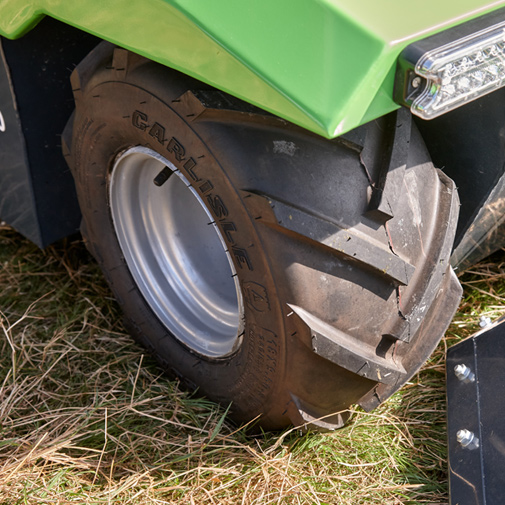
(86, 417)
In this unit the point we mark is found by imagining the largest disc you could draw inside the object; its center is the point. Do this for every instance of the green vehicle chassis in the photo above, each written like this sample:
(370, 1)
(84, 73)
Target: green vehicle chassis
(325, 65)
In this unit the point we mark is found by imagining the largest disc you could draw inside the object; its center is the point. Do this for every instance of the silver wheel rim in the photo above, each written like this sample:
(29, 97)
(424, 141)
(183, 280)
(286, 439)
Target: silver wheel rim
(175, 253)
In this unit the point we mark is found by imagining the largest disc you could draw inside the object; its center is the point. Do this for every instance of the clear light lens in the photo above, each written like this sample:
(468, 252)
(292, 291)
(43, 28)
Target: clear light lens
(461, 71)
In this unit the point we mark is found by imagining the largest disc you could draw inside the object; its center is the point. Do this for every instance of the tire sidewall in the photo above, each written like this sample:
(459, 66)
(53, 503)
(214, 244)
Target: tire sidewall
(118, 116)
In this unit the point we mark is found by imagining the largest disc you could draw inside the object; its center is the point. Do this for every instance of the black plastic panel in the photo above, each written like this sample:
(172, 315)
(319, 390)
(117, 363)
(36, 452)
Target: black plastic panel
(37, 192)
(17, 205)
(468, 144)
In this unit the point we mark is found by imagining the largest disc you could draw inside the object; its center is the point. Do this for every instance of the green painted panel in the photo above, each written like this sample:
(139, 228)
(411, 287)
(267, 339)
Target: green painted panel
(323, 64)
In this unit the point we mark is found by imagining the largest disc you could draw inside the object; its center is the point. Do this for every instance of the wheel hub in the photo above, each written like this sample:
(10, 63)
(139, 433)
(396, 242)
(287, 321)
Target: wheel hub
(175, 253)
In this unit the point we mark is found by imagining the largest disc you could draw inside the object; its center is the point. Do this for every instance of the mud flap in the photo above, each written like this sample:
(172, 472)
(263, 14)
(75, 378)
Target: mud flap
(37, 193)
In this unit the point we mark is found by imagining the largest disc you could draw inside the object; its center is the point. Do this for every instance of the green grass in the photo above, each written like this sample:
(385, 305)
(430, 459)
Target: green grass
(86, 416)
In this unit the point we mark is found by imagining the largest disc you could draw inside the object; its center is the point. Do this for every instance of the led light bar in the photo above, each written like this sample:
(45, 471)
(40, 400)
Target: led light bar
(443, 72)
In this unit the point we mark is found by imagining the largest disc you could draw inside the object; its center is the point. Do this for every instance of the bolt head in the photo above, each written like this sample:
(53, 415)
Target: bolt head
(463, 373)
(416, 82)
(467, 439)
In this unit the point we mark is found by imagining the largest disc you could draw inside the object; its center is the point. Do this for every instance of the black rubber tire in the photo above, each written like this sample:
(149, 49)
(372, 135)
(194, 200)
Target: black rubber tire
(342, 247)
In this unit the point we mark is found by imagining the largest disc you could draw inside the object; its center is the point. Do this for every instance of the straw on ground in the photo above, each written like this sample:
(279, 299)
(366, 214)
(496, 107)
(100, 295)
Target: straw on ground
(87, 417)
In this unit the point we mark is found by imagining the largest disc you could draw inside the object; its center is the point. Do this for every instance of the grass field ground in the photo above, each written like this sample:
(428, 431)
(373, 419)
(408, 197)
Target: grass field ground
(86, 417)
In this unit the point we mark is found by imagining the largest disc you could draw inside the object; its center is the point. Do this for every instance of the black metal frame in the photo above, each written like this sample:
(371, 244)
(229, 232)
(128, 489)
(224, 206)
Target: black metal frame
(476, 403)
